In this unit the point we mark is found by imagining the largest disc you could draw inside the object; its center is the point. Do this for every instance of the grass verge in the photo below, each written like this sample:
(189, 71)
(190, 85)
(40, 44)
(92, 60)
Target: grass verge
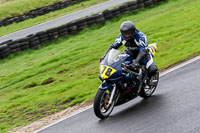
(47, 17)
(37, 83)
(19, 7)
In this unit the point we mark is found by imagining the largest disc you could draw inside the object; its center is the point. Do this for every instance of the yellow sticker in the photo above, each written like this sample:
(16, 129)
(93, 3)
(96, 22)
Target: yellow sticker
(106, 71)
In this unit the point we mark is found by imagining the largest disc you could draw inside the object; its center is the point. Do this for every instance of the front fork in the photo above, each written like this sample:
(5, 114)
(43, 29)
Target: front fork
(112, 94)
(112, 88)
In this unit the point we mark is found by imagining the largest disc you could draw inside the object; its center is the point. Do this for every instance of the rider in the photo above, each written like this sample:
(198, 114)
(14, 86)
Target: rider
(137, 46)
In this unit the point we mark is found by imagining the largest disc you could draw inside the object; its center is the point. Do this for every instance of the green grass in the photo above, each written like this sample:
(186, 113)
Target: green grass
(18, 7)
(40, 19)
(73, 62)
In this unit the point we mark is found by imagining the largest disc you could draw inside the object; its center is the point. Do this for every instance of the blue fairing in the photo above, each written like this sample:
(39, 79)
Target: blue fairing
(105, 86)
(116, 66)
(116, 77)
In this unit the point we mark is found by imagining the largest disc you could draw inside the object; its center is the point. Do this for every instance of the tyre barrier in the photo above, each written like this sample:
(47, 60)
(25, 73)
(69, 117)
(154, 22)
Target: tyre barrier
(133, 6)
(39, 11)
(63, 31)
(148, 3)
(72, 27)
(34, 41)
(100, 19)
(4, 50)
(115, 12)
(140, 4)
(124, 9)
(42, 36)
(91, 20)
(81, 24)
(107, 14)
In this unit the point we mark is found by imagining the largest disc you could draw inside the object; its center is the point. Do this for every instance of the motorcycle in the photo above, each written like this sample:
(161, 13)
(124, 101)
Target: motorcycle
(118, 87)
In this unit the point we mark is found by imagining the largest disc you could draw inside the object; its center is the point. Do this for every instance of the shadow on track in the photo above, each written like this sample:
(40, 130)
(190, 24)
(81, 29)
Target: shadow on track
(142, 108)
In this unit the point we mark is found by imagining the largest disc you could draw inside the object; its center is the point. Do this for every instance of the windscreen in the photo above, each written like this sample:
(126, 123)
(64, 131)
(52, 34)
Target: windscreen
(112, 56)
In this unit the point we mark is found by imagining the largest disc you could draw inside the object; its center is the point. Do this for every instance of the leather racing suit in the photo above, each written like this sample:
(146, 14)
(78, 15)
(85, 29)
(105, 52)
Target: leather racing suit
(138, 48)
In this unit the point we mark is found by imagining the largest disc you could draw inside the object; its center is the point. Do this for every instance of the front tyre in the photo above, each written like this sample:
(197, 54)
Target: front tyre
(153, 82)
(102, 108)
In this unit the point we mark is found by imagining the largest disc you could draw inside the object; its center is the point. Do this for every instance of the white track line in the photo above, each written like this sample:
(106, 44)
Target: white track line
(162, 74)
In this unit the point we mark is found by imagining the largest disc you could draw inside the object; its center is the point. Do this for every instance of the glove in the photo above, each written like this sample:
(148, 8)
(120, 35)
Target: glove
(134, 66)
(125, 66)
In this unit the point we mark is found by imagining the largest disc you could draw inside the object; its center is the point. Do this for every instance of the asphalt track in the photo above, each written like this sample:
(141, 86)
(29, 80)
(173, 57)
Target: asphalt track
(174, 108)
(62, 20)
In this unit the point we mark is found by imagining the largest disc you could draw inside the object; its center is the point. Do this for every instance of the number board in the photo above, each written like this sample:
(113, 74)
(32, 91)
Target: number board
(106, 71)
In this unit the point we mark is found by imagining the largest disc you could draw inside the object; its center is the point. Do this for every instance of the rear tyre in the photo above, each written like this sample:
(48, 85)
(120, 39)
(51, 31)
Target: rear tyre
(101, 107)
(147, 92)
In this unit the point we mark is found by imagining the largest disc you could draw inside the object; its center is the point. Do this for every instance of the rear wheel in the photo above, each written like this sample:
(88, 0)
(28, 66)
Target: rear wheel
(153, 82)
(102, 108)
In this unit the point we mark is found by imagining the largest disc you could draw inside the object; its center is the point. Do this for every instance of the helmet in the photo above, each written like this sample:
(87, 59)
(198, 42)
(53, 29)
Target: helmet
(127, 30)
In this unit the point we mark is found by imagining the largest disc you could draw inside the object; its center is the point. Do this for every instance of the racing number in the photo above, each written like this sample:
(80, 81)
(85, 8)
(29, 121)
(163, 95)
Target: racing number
(108, 72)
(104, 68)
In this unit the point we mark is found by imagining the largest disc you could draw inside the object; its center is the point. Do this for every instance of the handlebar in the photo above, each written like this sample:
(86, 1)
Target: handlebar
(127, 70)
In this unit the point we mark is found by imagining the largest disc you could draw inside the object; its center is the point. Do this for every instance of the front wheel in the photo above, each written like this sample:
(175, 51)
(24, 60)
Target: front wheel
(153, 82)
(102, 108)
